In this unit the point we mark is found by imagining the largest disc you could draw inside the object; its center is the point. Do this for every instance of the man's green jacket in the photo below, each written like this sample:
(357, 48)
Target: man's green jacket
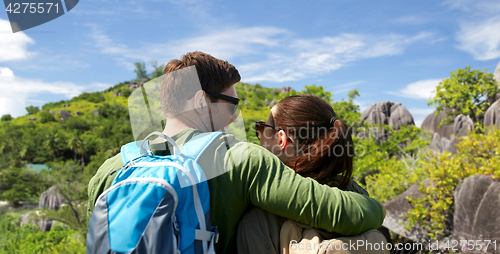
(249, 176)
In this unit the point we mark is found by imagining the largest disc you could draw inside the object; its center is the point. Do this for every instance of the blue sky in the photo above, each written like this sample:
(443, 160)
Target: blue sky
(391, 50)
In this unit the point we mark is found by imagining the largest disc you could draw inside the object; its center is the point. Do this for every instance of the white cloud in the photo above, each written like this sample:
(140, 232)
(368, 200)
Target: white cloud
(418, 90)
(481, 39)
(16, 91)
(13, 45)
(107, 46)
(6, 73)
(225, 44)
(464, 5)
(336, 90)
(350, 84)
(267, 53)
(306, 57)
(479, 27)
(475, 7)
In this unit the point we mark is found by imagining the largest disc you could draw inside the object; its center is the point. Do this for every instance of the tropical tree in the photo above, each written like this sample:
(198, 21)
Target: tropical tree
(52, 142)
(140, 71)
(32, 110)
(347, 110)
(82, 149)
(75, 143)
(6, 117)
(20, 184)
(466, 92)
(157, 69)
(46, 117)
(10, 149)
(11, 145)
(318, 91)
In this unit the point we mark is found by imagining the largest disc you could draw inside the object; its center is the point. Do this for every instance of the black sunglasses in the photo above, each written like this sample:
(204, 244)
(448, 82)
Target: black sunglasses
(228, 98)
(259, 129)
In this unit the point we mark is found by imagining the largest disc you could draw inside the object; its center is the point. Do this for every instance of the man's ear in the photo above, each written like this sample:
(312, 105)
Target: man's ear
(282, 140)
(199, 102)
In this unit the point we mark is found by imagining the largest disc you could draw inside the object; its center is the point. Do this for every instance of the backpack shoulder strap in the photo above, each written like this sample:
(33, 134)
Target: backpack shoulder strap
(132, 150)
(195, 147)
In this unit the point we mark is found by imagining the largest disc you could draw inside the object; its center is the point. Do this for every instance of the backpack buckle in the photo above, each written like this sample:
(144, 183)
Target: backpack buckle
(215, 236)
(176, 224)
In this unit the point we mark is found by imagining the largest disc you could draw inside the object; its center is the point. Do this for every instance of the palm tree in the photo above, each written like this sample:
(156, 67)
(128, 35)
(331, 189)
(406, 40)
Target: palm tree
(78, 145)
(82, 149)
(12, 152)
(52, 142)
(74, 143)
(4, 148)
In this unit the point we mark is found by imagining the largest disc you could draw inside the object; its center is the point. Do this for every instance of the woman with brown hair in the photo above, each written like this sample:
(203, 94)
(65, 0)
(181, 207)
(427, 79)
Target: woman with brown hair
(303, 131)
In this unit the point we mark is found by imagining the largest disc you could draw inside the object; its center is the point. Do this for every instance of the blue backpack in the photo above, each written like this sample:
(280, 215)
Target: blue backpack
(156, 204)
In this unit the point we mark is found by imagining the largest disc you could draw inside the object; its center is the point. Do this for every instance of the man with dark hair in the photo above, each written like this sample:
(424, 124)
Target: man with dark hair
(214, 75)
(241, 175)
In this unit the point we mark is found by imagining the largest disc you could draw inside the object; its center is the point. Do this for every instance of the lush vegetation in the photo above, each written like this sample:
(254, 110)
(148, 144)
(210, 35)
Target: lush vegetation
(76, 147)
(29, 239)
(466, 92)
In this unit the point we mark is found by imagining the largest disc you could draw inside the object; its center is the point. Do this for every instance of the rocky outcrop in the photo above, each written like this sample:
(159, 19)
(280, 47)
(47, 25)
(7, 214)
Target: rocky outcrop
(119, 93)
(287, 89)
(269, 104)
(388, 113)
(492, 115)
(67, 105)
(476, 213)
(78, 113)
(432, 121)
(397, 208)
(377, 113)
(26, 219)
(439, 144)
(477, 209)
(392, 113)
(32, 118)
(461, 127)
(400, 116)
(63, 114)
(95, 112)
(50, 199)
(136, 84)
(52, 112)
(32, 218)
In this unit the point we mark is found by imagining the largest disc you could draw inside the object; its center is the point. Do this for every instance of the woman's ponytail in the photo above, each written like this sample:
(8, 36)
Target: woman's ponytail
(324, 147)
